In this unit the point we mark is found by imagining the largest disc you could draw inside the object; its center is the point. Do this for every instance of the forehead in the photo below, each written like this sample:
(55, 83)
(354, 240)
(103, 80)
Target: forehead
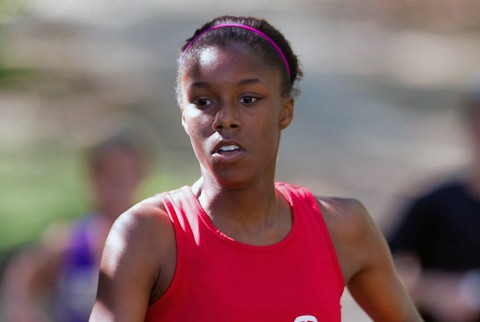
(232, 57)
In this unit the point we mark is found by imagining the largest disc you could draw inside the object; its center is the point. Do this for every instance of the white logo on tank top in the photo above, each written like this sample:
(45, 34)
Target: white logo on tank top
(306, 318)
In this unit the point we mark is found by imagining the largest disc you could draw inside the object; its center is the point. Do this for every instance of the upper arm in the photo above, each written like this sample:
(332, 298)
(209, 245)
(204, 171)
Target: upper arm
(366, 262)
(131, 263)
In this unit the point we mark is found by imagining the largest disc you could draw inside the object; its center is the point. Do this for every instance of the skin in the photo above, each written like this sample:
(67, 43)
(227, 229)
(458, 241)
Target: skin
(231, 98)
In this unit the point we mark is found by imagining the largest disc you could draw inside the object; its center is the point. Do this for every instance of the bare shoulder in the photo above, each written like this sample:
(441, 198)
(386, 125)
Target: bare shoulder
(137, 264)
(345, 218)
(146, 216)
(145, 226)
(365, 260)
(354, 234)
(142, 243)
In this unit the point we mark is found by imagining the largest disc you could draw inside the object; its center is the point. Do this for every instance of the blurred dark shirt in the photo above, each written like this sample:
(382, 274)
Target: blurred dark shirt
(442, 228)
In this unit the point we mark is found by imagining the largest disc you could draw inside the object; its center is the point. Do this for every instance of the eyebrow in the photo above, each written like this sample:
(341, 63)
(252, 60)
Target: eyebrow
(199, 85)
(248, 81)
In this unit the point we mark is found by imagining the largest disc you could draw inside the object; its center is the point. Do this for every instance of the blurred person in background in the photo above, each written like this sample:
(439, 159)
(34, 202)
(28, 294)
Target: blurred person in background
(436, 244)
(56, 279)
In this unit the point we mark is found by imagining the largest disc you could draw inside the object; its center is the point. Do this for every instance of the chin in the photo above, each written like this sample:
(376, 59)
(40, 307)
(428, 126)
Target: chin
(233, 182)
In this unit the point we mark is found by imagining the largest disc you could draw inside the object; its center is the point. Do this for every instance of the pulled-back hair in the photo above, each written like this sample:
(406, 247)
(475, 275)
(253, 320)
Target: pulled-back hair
(207, 36)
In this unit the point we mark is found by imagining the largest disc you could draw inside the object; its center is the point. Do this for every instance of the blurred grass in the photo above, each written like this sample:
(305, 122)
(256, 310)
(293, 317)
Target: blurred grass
(44, 183)
(12, 8)
(38, 185)
(17, 77)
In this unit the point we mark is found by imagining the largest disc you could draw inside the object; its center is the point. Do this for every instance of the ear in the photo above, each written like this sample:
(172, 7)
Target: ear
(184, 124)
(287, 112)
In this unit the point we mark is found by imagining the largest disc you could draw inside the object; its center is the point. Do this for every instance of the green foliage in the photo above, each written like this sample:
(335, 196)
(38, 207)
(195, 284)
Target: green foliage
(46, 183)
(37, 187)
(15, 76)
(10, 8)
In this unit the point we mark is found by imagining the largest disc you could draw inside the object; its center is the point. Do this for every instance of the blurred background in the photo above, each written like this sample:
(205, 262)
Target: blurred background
(377, 119)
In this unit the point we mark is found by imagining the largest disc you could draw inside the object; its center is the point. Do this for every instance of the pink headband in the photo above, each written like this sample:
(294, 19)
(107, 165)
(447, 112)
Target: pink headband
(258, 32)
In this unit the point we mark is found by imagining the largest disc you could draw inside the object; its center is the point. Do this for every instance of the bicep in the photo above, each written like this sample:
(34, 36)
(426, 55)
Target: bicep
(376, 286)
(127, 274)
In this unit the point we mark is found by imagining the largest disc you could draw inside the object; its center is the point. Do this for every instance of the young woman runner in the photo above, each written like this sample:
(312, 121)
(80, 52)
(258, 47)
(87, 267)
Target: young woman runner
(237, 246)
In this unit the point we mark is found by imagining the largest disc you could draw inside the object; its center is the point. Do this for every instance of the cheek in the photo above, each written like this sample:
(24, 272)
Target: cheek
(198, 126)
(269, 134)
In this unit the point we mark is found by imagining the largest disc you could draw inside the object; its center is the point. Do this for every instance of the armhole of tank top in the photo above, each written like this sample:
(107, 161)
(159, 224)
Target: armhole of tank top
(329, 242)
(172, 215)
(303, 193)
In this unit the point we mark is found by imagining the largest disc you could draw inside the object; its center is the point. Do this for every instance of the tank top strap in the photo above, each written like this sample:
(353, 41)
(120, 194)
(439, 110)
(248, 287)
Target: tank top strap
(302, 198)
(182, 207)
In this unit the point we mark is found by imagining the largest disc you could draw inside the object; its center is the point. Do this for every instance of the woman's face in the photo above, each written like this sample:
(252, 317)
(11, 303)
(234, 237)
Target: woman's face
(233, 112)
(115, 180)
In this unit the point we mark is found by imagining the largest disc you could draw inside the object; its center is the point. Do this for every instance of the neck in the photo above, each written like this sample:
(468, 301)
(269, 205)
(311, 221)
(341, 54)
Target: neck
(251, 199)
(256, 214)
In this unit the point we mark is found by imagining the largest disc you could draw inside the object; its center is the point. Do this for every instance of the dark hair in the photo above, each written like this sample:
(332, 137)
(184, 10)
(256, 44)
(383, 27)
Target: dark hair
(124, 141)
(221, 36)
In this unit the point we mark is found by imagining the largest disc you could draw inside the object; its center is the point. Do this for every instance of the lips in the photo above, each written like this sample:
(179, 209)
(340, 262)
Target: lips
(228, 148)
(227, 151)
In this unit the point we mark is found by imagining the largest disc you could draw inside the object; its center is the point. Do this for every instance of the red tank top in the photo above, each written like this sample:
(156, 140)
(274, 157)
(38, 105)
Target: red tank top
(219, 279)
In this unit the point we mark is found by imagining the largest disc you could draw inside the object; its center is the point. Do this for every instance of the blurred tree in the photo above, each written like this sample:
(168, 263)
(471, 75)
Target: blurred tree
(12, 8)
(9, 10)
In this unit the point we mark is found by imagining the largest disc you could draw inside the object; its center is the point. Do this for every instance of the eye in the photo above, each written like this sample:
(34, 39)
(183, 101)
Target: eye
(202, 102)
(248, 99)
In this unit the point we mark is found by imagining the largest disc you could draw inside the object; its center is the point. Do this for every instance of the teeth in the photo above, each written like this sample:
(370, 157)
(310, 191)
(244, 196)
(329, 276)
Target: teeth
(228, 148)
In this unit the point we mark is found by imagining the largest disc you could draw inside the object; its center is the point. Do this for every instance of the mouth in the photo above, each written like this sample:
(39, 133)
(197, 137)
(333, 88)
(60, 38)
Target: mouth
(227, 151)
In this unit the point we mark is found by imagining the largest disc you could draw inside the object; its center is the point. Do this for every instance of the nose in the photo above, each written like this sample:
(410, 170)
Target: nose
(226, 118)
